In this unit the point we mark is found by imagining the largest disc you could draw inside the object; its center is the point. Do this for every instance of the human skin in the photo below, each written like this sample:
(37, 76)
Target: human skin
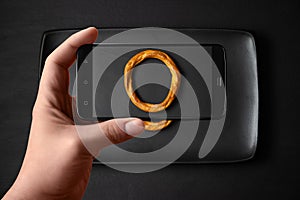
(58, 162)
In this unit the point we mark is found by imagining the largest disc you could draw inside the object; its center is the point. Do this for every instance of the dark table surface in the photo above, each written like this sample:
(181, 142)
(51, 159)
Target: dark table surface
(272, 173)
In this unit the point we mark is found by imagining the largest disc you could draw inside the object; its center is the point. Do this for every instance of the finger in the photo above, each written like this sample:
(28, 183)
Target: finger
(97, 136)
(65, 54)
(55, 74)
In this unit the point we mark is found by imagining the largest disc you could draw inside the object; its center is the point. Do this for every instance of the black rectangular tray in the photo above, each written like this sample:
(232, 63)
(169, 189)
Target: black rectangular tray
(238, 139)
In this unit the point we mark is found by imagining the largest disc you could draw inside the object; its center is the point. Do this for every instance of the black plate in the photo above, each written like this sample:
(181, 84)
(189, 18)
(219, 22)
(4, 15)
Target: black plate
(238, 139)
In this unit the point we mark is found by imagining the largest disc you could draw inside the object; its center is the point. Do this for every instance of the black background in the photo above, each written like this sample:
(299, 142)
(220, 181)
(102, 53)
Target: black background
(272, 173)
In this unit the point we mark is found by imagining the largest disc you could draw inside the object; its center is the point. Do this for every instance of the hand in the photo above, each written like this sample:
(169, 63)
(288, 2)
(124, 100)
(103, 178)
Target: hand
(57, 164)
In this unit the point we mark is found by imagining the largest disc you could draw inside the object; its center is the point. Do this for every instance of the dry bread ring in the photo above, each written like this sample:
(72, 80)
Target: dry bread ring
(148, 107)
(155, 126)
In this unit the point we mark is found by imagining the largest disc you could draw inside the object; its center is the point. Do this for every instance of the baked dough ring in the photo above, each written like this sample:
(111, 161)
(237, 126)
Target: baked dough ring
(155, 126)
(148, 107)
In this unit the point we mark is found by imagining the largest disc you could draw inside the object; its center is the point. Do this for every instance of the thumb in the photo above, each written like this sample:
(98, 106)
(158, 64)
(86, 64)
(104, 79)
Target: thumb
(120, 130)
(97, 136)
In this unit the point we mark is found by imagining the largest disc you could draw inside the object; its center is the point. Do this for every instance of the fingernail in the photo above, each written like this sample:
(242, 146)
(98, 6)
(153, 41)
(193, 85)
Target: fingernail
(134, 127)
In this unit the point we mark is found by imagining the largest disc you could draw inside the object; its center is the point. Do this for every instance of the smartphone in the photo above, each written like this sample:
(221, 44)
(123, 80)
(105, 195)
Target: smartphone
(101, 95)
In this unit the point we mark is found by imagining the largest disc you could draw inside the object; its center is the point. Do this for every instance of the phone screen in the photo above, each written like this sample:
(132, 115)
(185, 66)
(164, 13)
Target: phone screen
(100, 85)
